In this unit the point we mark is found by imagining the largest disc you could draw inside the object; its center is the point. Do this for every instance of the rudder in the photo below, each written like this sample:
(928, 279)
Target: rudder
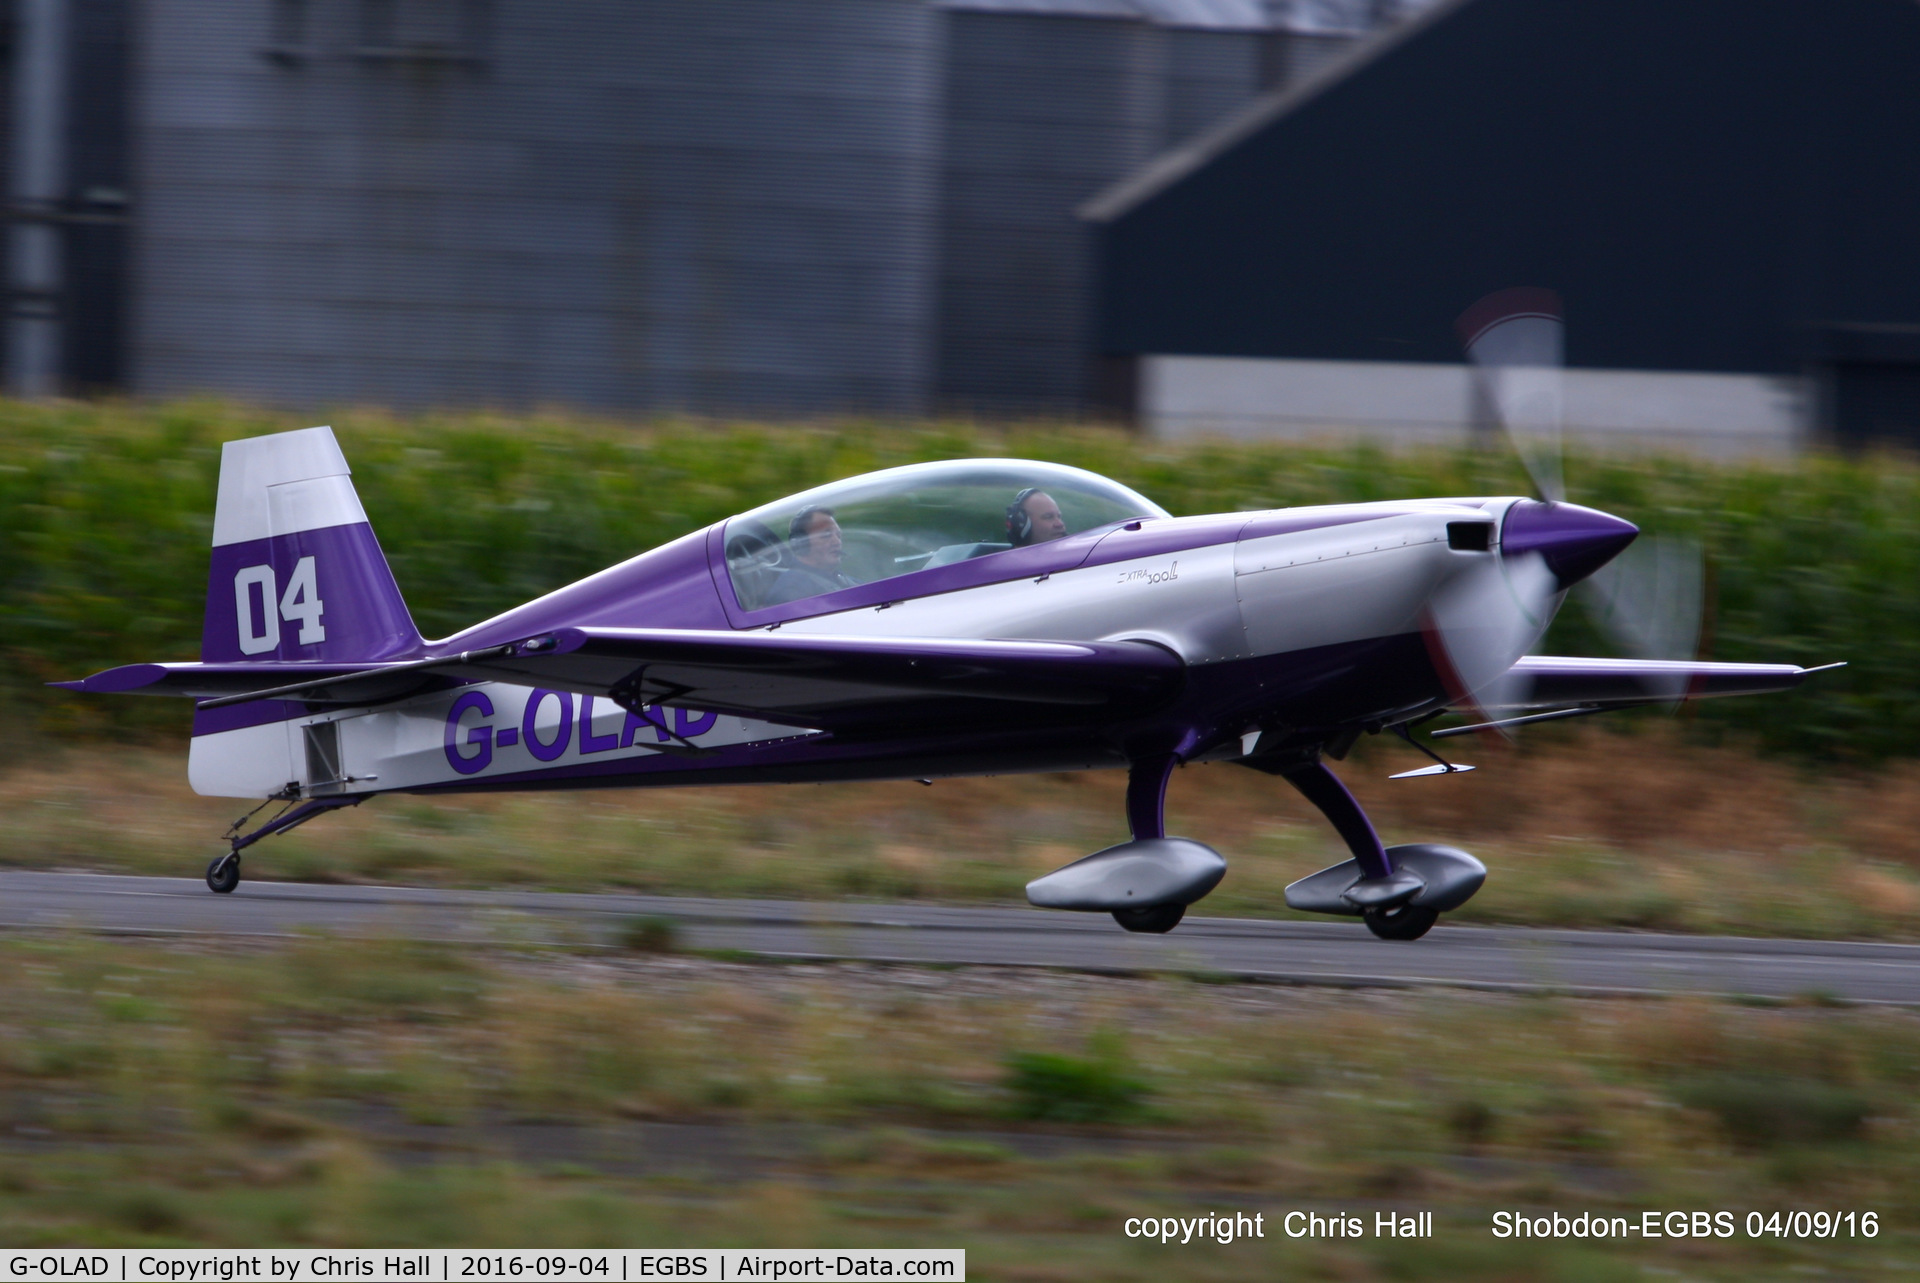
(297, 573)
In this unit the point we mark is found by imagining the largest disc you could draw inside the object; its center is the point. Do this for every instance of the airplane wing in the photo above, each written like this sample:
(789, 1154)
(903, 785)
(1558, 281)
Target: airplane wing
(1552, 681)
(839, 683)
(844, 683)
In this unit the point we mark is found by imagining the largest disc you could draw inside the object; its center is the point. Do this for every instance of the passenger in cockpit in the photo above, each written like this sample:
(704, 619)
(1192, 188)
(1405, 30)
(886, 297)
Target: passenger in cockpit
(813, 538)
(1033, 517)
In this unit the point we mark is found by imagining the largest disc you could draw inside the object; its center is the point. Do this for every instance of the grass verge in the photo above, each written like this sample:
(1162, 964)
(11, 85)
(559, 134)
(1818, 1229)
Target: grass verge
(325, 1093)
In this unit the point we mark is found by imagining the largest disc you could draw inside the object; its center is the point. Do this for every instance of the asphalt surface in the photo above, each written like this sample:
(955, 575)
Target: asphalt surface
(1340, 953)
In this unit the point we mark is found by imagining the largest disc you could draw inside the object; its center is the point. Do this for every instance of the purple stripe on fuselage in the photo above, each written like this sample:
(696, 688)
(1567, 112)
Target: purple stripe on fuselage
(670, 587)
(1137, 539)
(1102, 545)
(816, 758)
(352, 610)
(1313, 691)
(235, 717)
(1159, 538)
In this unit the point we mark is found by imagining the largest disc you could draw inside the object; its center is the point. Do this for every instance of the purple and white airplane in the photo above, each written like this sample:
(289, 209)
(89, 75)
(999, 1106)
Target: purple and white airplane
(976, 617)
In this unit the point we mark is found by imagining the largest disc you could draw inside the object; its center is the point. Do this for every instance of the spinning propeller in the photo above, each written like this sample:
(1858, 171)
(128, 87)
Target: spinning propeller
(1646, 598)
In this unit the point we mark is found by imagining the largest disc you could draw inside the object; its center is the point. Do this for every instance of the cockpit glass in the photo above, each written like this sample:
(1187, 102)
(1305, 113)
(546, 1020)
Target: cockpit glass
(895, 522)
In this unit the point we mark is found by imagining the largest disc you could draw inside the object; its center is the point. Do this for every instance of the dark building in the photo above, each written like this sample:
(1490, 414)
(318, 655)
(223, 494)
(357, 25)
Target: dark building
(720, 206)
(1719, 190)
(1047, 103)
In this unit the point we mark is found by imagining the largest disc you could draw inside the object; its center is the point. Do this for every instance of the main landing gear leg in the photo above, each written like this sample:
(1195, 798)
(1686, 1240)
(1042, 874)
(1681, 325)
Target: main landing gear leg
(1323, 788)
(1147, 818)
(1383, 894)
(1147, 796)
(1147, 883)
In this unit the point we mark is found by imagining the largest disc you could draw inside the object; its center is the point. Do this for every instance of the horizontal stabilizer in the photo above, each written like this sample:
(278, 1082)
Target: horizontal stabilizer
(211, 681)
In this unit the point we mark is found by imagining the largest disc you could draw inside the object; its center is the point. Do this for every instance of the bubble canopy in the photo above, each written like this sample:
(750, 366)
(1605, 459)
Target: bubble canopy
(913, 518)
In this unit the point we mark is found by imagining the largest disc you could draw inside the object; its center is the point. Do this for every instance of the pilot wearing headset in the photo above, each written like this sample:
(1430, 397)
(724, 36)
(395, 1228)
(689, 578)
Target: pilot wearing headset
(813, 541)
(1033, 517)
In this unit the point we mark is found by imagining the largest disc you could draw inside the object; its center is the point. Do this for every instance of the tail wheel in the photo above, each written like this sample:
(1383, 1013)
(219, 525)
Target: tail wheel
(1402, 922)
(223, 875)
(1158, 920)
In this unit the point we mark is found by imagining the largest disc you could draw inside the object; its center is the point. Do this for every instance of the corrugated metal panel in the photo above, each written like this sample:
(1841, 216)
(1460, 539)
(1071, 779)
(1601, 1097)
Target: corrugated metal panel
(721, 205)
(1041, 111)
(1122, 9)
(637, 204)
(1215, 15)
(1349, 17)
(95, 275)
(1226, 15)
(1209, 74)
(1302, 54)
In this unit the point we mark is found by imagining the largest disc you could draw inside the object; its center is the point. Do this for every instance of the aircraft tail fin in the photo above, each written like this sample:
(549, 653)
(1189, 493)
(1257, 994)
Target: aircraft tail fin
(297, 573)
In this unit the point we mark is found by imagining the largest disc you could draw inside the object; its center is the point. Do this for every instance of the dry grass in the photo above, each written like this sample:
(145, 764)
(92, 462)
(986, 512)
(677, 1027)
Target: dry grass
(332, 1093)
(1581, 828)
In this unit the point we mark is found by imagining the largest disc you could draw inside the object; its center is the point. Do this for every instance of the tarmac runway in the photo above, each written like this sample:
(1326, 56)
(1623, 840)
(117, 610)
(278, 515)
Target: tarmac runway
(1338, 953)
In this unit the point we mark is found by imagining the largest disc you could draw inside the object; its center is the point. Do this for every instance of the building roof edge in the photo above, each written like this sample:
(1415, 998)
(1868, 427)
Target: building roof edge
(1169, 167)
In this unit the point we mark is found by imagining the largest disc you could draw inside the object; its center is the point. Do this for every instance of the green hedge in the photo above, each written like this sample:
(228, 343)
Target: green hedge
(108, 509)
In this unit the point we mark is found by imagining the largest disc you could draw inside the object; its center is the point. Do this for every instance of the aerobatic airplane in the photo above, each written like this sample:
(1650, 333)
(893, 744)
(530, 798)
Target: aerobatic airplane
(981, 616)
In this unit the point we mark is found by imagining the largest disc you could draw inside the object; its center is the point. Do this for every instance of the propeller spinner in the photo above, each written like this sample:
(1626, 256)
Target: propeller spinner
(1647, 601)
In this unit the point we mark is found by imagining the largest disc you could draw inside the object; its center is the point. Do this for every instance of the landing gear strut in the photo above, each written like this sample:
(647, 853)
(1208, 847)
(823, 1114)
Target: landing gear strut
(1146, 884)
(1147, 818)
(1399, 892)
(223, 874)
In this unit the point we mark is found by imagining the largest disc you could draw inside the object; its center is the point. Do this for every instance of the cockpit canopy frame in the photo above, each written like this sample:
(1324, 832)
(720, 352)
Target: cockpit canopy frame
(902, 521)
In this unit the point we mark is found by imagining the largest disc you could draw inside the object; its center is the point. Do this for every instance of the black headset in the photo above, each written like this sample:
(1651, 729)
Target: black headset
(1019, 520)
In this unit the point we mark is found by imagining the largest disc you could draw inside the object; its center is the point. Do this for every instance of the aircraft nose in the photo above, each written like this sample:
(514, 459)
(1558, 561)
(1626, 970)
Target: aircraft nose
(1575, 541)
